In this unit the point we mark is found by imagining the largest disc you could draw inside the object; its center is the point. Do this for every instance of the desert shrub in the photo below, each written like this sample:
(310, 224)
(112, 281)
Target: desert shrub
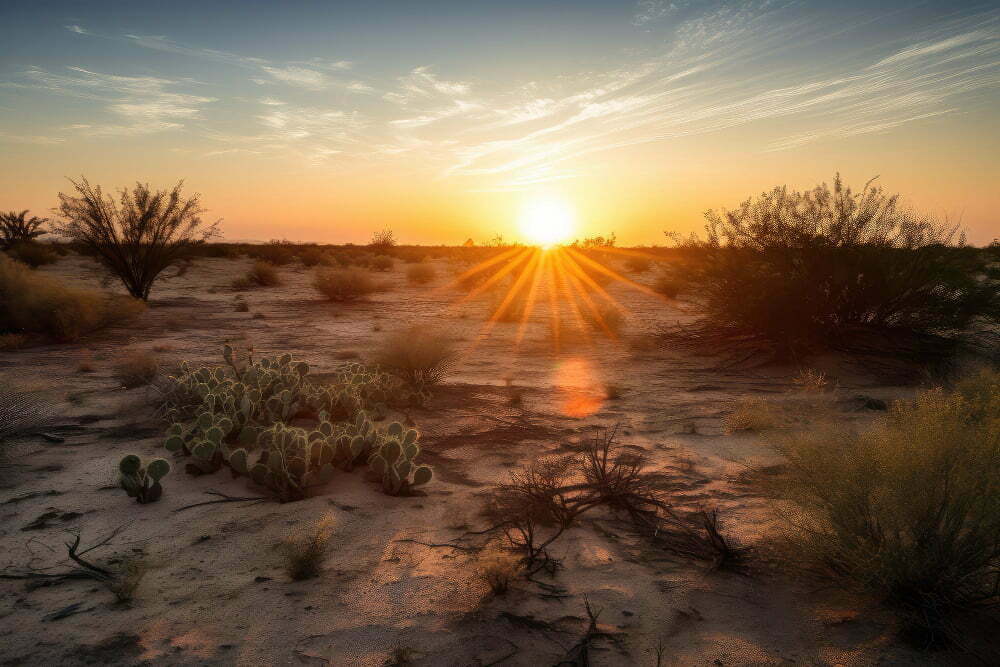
(16, 228)
(303, 554)
(275, 252)
(137, 238)
(238, 415)
(383, 240)
(38, 304)
(130, 572)
(751, 414)
(380, 263)
(497, 570)
(137, 369)
(12, 342)
(419, 357)
(638, 263)
(668, 284)
(793, 272)
(420, 274)
(312, 256)
(908, 509)
(261, 274)
(344, 284)
(33, 254)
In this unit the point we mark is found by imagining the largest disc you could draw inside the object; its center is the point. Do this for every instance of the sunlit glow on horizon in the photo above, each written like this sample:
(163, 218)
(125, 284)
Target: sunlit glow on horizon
(547, 220)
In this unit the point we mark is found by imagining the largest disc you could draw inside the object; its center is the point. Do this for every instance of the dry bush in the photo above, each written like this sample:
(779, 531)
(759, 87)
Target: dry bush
(908, 509)
(261, 274)
(274, 252)
(383, 240)
(10, 342)
(344, 284)
(312, 256)
(668, 284)
(419, 357)
(31, 303)
(751, 414)
(420, 274)
(380, 263)
(497, 570)
(638, 263)
(811, 381)
(138, 237)
(33, 254)
(303, 554)
(792, 273)
(137, 369)
(16, 228)
(242, 306)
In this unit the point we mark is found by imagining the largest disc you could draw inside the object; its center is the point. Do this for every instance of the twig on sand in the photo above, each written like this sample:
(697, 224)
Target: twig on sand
(437, 544)
(224, 498)
(86, 569)
(579, 654)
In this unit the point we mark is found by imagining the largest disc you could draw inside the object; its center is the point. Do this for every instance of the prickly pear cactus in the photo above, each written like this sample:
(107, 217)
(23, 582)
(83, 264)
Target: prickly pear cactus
(395, 461)
(142, 482)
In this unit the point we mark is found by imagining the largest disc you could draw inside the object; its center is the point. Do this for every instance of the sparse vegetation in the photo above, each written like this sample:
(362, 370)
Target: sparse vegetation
(497, 570)
(422, 273)
(383, 240)
(137, 369)
(138, 237)
(261, 274)
(344, 284)
(908, 509)
(790, 273)
(44, 306)
(33, 254)
(380, 263)
(303, 554)
(668, 284)
(753, 414)
(420, 357)
(638, 263)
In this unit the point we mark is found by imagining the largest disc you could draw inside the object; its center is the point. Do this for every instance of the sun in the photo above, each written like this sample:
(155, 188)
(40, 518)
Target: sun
(547, 220)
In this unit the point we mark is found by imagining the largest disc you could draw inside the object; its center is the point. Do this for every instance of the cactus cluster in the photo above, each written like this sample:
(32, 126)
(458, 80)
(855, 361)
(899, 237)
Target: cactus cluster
(142, 482)
(394, 461)
(240, 418)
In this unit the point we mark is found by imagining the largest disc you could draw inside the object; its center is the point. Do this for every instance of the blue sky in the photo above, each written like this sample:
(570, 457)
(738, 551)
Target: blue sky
(325, 119)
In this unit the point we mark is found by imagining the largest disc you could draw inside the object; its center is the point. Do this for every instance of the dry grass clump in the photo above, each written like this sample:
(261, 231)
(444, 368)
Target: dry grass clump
(261, 274)
(137, 369)
(344, 284)
(420, 274)
(303, 554)
(908, 509)
(667, 284)
(9, 342)
(274, 252)
(638, 264)
(419, 357)
(497, 570)
(312, 256)
(751, 414)
(130, 573)
(31, 303)
(33, 254)
(380, 263)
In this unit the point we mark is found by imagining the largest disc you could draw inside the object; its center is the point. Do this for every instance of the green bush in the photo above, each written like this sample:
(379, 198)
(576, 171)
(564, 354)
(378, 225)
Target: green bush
(910, 508)
(794, 272)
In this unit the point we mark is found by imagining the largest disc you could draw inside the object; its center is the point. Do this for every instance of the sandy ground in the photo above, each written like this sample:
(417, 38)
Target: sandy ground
(217, 594)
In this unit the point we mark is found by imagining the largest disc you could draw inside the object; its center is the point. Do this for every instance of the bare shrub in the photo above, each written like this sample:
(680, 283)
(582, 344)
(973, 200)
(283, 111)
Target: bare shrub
(419, 357)
(16, 228)
(908, 509)
(303, 554)
(420, 274)
(38, 304)
(751, 414)
(138, 237)
(791, 273)
(383, 240)
(344, 284)
(137, 369)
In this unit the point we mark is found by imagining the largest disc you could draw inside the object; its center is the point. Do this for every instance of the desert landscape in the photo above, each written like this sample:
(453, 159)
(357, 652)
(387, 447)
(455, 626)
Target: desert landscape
(539, 333)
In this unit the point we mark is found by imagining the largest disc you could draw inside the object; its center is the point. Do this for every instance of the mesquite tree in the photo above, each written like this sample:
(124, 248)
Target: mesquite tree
(137, 237)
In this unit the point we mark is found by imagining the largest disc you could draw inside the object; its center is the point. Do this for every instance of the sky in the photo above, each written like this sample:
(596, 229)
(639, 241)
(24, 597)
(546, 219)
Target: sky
(324, 121)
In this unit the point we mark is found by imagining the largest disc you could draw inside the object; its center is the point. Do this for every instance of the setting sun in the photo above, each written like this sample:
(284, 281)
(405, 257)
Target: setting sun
(546, 221)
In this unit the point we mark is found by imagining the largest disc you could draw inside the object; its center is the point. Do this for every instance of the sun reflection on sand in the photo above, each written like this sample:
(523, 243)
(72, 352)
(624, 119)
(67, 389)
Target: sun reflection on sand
(579, 387)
